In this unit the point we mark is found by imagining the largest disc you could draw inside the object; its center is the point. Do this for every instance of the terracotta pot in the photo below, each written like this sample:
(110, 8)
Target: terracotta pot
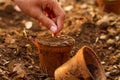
(85, 65)
(109, 6)
(53, 52)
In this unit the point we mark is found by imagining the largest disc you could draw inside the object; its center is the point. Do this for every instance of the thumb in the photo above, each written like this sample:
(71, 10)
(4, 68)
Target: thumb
(50, 24)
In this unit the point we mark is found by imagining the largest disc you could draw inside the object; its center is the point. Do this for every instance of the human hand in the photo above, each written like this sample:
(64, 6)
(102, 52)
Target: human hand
(47, 12)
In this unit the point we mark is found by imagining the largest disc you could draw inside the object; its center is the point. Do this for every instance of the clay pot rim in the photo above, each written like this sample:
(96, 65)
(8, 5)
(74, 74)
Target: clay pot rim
(97, 60)
(92, 51)
(58, 44)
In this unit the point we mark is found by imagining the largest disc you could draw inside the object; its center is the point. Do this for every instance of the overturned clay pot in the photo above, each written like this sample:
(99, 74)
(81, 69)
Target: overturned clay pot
(85, 65)
(53, 52)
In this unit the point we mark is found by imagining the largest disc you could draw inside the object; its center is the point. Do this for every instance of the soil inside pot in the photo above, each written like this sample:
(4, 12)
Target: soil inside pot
(57, 41)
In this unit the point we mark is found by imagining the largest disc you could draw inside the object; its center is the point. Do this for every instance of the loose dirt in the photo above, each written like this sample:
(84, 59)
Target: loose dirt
(84, 22)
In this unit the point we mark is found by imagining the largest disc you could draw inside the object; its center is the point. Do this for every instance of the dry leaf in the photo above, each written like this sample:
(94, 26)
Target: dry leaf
(20, 71)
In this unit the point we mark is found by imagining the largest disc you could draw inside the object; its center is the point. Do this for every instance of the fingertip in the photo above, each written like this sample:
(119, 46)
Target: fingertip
(53, 29)
(60, 21)
(60, 24)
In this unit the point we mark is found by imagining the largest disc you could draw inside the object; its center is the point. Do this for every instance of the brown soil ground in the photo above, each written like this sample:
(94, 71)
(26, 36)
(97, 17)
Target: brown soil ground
(19, 58)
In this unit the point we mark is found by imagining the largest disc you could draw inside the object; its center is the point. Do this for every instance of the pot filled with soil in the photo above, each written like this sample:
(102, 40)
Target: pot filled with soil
(109, 5)
(85, 65)
(53, 52)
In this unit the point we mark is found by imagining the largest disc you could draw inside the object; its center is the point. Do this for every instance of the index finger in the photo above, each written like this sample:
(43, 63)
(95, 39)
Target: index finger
(60, 15)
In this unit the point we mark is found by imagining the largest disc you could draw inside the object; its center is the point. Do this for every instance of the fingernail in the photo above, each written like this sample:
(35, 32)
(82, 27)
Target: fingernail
(53, 29)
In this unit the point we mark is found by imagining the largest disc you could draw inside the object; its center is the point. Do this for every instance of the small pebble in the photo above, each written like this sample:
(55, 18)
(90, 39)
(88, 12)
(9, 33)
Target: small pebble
(30, 67)
(115, 66)
(117, 38)
(68, 8)
(83, 6)
(103, 37)
(102, 20)
(28, 24)
(118, 66)
(102, 62)
(110, 48)
(1, 70)
(107, 74)
(112, 31)
(110, 41)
